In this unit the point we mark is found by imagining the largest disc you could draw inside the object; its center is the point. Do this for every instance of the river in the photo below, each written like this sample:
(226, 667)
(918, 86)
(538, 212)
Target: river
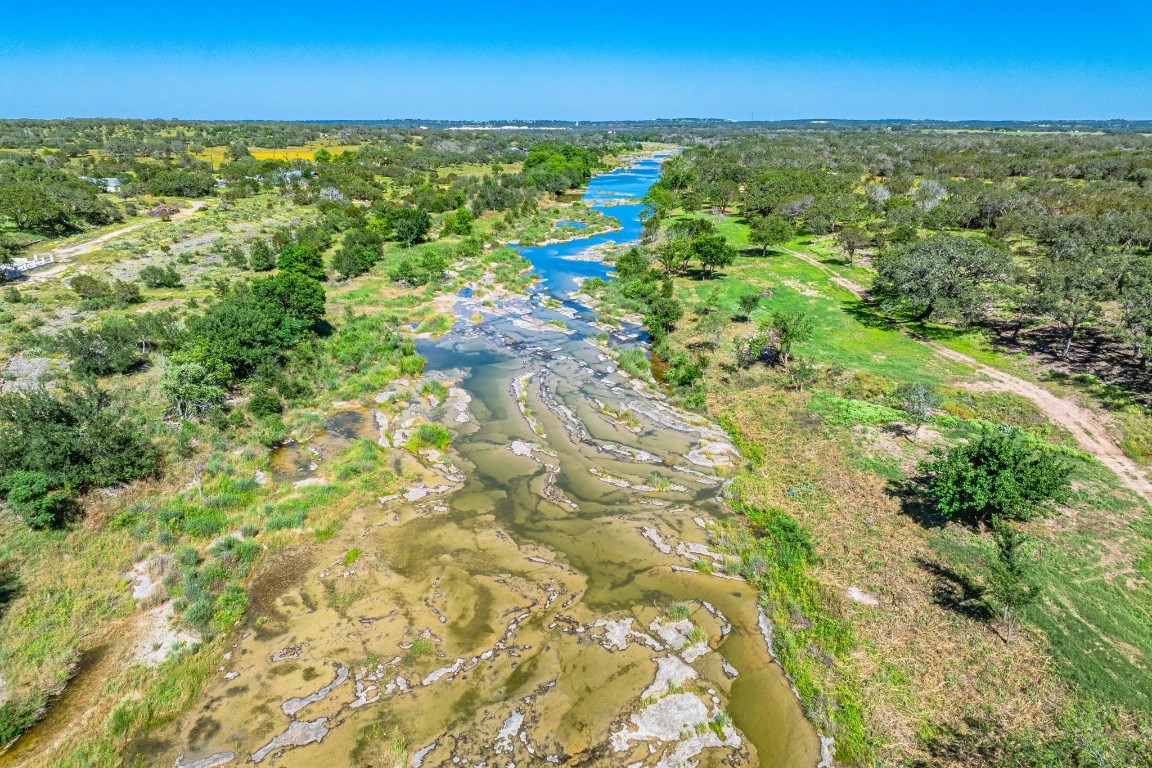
(530, 598)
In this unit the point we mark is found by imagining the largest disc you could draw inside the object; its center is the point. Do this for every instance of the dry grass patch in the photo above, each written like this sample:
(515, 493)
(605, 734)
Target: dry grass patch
(922, 665)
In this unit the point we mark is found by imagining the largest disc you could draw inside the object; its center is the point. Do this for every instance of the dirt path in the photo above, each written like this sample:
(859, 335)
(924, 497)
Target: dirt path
(66, 253)
(1089, 430)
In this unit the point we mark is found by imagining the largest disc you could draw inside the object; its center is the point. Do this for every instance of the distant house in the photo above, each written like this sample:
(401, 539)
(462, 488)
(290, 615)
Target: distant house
(110, 184)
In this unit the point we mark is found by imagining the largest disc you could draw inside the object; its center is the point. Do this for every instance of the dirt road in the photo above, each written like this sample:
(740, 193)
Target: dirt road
(1087, 427)
(66, 253)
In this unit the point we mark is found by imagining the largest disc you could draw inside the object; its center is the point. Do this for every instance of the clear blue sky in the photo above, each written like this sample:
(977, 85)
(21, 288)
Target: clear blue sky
(576, 60)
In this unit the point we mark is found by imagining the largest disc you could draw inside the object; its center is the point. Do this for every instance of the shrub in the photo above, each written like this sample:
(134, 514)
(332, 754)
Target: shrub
(261, 258)
(112, 347)
(435, 389)
(265, 402)
(199, 613)
(15, 718)
(31, 496)
(459, 222)
(203, 523)
(1002, 473)
(160, 277)
(55, 447)
(187, 556)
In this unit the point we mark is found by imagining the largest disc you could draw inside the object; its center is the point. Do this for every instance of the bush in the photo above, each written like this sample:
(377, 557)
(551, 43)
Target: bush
(229, 608)
(261, 258)
(187, 556)
(304, 259)
(272, 431)
(265, 402)
(112, 347)
(15, 718)
(55, 447)
(285, 519)
(30, 495)
(1002, 473)
(419, 270)
(98, 294)
(459, 222)
(160, 277)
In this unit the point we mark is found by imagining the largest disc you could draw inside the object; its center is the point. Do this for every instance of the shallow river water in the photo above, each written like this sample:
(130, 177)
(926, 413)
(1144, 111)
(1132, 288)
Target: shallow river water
(531, 600)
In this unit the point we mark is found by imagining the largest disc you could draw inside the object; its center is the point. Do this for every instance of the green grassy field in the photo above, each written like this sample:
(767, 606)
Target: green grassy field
(832, 456)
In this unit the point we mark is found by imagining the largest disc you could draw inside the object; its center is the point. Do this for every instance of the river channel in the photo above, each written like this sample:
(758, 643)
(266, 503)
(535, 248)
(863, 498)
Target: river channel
(530, 599)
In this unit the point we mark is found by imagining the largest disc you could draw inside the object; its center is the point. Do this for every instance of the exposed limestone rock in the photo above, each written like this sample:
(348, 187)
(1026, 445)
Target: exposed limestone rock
(298, 734)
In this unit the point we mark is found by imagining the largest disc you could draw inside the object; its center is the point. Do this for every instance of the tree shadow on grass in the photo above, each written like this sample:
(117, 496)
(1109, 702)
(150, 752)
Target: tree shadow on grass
(10, 586)
(935, 332)
(955, 591)
(868, 313)
(756, 252)
(914, 503)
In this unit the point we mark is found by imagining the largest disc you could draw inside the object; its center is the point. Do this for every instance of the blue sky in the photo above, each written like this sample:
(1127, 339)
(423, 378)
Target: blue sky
(573, 60)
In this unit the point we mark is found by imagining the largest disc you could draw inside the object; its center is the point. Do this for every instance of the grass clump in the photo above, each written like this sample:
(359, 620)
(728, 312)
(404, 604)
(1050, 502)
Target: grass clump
(435, 324)
(429, 436)
(635, 362)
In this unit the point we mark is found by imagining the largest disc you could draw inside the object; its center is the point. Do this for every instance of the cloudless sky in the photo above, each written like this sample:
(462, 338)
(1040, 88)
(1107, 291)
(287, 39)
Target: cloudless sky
(448, 59)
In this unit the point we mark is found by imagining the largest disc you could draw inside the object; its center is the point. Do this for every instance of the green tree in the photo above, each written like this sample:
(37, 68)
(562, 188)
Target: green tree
(713, 252)
(348, 264)
(298, 296)
(940, 275)
(791, 328)
(261, 258)
(409, 225)
(766, 231)
(302, 258)
(1072, 286)
(852, 239)
(749, 300)
(459, 222)
(237, 151)
(674, 255)
(1012, 574)
(194, 388)
(359, 251)
(31, 208)
(1001, 474)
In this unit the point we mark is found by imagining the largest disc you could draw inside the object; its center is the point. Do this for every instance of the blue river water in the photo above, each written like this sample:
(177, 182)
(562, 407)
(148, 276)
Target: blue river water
(609, 193)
